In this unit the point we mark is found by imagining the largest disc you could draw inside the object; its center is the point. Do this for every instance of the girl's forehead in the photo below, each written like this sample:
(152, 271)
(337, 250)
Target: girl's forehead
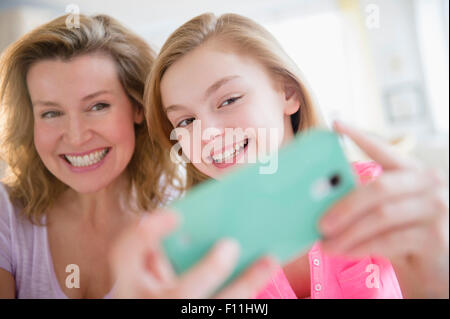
(205, 65)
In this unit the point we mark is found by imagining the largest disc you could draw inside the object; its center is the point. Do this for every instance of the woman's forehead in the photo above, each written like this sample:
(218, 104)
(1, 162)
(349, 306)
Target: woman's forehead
(78, 76)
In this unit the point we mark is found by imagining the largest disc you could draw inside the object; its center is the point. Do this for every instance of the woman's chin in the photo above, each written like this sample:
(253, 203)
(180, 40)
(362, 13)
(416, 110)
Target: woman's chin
(86, 186)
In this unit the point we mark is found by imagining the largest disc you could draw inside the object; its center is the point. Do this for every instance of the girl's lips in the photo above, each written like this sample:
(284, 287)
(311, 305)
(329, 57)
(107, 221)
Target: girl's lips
(228, 163)
(215, 152)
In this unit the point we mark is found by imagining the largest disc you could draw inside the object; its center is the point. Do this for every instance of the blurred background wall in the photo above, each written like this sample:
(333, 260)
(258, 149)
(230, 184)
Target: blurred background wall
(382, 65)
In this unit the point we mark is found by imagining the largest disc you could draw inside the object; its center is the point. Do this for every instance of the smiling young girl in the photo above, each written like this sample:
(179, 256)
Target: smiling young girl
(229, 72)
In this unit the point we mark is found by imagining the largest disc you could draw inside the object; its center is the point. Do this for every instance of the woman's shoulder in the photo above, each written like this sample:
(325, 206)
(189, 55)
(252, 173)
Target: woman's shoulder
(10, 212)
(6, 206)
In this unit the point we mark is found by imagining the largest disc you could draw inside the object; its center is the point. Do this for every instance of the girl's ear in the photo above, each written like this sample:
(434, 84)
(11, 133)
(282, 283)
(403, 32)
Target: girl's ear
(292, 101)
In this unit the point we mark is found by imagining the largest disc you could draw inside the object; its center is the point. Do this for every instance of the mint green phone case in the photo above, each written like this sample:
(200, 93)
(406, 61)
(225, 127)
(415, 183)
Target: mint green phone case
(266, 213)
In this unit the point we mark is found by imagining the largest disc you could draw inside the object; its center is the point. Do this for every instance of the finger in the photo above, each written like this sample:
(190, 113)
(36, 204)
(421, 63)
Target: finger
(414, 239)
(381, 152)
(206, 276)
(131, 280)
(151, 229)
(387, 217)
(159, 266)
(157, 224)
(129, 255)
(251, 282)
(388, 187)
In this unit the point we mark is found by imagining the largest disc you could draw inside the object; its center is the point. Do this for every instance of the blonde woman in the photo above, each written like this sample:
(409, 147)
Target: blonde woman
(81, 164)
(229, 72)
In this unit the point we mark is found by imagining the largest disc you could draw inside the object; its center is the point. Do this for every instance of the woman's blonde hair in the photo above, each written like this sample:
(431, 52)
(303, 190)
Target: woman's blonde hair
(245, 37)
(28, 181)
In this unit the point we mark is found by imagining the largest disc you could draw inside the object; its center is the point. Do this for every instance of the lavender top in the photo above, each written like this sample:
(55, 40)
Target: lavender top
(25, 253)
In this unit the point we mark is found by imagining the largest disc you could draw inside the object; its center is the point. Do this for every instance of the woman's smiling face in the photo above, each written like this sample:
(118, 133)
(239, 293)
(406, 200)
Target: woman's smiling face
(83, 120)
(225, 91)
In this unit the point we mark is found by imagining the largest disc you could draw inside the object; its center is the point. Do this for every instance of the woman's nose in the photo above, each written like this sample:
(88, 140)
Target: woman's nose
(77, 131)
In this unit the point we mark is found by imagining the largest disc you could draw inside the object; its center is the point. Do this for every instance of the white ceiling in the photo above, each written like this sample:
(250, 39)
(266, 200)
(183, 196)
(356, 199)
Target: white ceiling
(156, 19)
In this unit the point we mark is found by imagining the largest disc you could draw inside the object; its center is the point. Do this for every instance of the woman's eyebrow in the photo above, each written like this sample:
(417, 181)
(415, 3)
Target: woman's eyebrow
(92, 95)
(87, 97)
(214, 87)
(44, 103)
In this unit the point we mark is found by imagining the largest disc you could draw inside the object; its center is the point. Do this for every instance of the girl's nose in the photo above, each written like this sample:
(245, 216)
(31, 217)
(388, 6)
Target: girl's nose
(211, 130)
(212, 133)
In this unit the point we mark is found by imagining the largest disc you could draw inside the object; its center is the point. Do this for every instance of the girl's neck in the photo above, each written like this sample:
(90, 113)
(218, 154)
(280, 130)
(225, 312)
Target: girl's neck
(288, 131)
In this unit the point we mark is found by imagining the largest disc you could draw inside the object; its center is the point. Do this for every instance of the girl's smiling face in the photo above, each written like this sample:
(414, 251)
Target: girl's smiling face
(83, 120)
(225, 90)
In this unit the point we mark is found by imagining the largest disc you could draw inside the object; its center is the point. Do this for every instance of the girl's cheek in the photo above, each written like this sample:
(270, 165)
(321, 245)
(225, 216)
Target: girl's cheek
(185, 144)
(194, 153)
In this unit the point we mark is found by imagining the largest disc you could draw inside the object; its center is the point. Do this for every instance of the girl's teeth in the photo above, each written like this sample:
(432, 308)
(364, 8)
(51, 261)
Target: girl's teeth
(221, 157)
(87, 160)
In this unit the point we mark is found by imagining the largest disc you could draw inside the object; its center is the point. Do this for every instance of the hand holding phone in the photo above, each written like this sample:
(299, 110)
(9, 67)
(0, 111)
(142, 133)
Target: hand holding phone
(273, 214)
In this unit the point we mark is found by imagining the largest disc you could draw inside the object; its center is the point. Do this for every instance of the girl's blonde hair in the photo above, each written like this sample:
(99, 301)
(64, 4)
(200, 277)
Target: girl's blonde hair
(245, 37)
(28, 181)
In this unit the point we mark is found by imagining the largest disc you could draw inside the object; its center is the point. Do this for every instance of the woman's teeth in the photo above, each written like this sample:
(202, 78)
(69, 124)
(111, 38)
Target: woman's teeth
(228, 154)
(88, 159)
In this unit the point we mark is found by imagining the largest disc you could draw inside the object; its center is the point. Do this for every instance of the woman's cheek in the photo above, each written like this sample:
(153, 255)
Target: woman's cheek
(45, 140)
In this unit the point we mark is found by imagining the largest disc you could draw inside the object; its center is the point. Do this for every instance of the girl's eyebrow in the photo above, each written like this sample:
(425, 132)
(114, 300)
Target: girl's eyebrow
(214, 87)
(218, 84)
(87, 97)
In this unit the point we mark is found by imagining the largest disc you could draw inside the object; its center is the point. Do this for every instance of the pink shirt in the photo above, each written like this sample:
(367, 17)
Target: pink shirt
(334, 277)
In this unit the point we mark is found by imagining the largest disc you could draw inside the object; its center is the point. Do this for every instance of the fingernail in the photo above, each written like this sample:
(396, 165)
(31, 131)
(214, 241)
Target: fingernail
(227, 249)
(337, 124)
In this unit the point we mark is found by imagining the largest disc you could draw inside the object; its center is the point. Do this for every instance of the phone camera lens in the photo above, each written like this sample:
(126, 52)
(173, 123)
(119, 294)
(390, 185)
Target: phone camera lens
(335, 180)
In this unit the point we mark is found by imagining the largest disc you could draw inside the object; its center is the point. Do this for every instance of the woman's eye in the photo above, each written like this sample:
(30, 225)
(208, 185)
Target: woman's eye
(99, 106)
(185, 122)
(50, 114)
(230, 101)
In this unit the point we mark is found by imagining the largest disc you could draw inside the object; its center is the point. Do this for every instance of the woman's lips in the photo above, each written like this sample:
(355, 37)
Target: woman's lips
(87, 152)
(80, 169)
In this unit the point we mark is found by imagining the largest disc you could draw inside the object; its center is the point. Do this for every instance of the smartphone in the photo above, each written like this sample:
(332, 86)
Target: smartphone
(273, 214)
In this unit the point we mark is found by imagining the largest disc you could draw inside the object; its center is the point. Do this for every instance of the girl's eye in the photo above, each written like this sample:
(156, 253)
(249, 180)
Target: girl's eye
(100, 106)
(50, 114)
(186, 122)
(230, 101)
